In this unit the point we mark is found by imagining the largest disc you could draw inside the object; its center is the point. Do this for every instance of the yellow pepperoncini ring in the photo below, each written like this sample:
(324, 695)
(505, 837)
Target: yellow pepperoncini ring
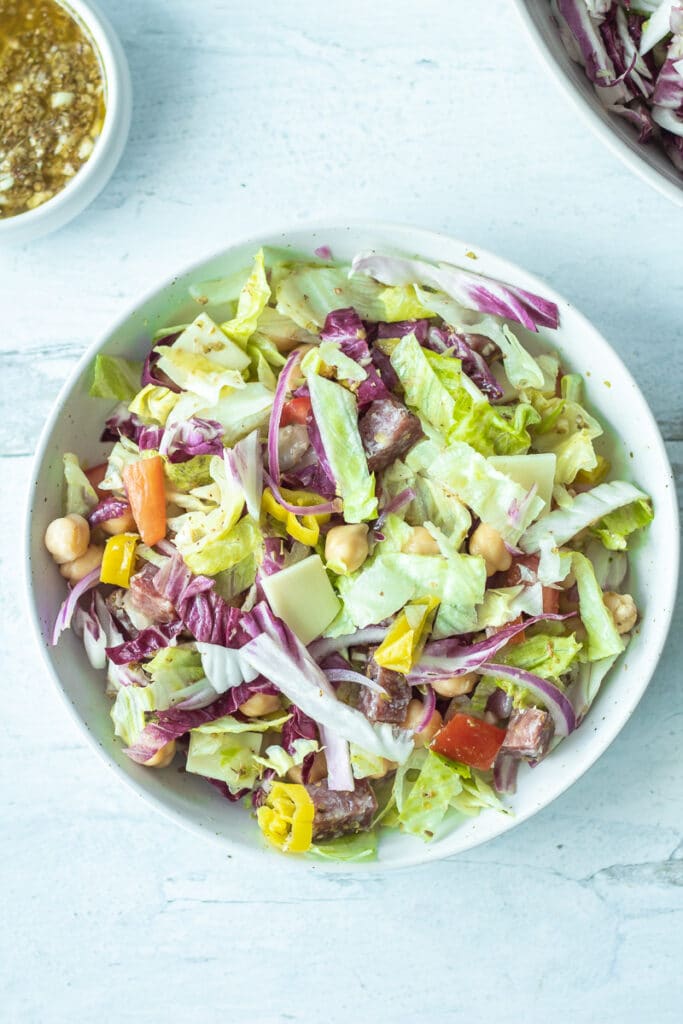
(402, 646)
(118, 560)
(286, 818)
(305, 528)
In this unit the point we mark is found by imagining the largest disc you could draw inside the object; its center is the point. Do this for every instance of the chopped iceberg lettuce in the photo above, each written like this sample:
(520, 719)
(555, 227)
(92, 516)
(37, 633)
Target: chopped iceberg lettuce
(80, 496)
(336, 416)
(115, 377)
(449, 401)
(614, 528)
(252, 300)
(603, 639)
(493, 496)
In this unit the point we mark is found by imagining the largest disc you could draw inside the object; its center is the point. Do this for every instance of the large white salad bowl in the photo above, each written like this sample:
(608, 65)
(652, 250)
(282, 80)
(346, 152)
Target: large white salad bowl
(634, 446)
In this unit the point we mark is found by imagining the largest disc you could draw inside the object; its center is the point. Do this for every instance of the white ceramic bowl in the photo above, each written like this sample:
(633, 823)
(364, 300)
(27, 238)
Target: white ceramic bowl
(91, 178)
(636, 451)
(649, 162)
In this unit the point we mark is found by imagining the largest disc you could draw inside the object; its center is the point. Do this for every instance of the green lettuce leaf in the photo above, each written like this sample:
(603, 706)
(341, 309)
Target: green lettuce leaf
(281, 331)
(431, 504)
(133, 704)
(449, 401)
(227, 756)
(353, 849)
(615, 527)
(442, 786)
(277, 759)
(567, 430)
(185, 476)
(390, 579)
(115, 377)
(575, 514)
(252, 301)
(175, 667)
(154, 403)
(239, 411)
(307, 294)
(545, 655)
(603, 639)
(336, 415)
(489, 493)
(80, 496)
(224, 550)
(203, 360)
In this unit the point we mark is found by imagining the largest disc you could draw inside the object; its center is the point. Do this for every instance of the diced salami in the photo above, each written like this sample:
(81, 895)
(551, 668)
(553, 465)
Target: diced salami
(339, 812)
(388, 430)
(143, 599)
(529, 733)
(379, 708)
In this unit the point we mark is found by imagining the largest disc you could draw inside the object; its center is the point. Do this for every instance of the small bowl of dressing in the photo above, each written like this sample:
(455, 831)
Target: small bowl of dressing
(65, 109)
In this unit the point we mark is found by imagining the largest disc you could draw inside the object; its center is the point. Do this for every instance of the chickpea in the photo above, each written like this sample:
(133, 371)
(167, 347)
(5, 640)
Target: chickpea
(346, 547)
(421, 542)
(121, 524)
(414, 715)
(80, 567)
(456, 686)
(67, 538)
(623, 610)
(260, 704)
(163, 756)
(317, 773)
(488, 543)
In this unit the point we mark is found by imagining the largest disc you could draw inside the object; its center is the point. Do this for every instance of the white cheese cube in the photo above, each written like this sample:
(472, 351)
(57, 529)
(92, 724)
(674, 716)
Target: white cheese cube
(303, 597)
(527, 470)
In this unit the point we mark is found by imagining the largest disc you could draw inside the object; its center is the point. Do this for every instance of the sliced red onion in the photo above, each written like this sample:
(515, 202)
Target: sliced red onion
(395, 505)
(276, 414)
(301, 510)
(557, 703)
(68, 607)
(166, 548)
(338, 758)
(450, 657)
(108, 508)
(341, 675)
(429, 709)
(320, 649)
(518, 509)
(505, 774)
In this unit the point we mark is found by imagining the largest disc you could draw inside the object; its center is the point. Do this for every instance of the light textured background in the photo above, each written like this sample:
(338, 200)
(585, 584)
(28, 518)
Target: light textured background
(249, 116)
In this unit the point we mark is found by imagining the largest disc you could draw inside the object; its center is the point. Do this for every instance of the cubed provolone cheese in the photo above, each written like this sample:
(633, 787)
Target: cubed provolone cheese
(303, 597)
(527, 470)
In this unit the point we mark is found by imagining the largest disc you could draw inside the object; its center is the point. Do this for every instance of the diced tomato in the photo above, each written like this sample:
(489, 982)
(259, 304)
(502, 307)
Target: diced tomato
(296, 410)
(551, 601)
(95, 476)
(470, 741)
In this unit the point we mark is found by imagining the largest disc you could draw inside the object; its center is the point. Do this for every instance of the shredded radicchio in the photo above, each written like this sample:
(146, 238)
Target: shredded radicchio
(202, 611)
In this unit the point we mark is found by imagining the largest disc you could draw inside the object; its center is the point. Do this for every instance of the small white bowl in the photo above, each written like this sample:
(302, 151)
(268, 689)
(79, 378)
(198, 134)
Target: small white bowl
(649, 162)
(91, 178)
(634, 447)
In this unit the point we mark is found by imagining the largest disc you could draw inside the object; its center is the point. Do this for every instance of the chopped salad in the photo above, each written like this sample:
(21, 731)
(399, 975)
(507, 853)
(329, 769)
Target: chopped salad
(632, 52)
(355, 553)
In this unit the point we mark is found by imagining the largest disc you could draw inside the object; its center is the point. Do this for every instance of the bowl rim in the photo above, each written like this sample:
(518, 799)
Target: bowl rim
(412, 239)
(82, 189)
(609, 136)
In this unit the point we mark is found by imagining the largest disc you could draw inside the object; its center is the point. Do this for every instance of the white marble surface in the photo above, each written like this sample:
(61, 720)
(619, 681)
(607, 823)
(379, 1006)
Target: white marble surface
(246, 117)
